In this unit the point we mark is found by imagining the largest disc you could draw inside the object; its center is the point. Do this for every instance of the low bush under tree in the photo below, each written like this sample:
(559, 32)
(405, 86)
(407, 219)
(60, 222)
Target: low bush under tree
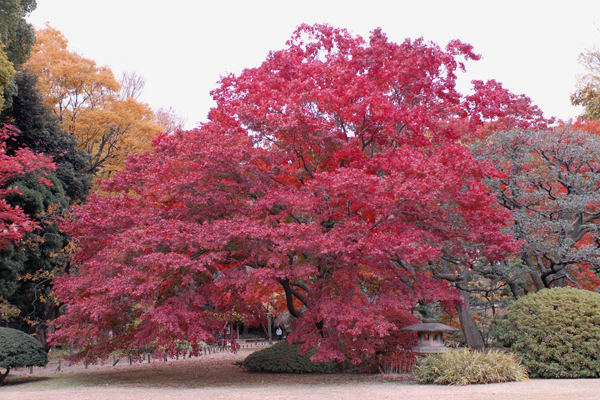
(464, 367)
(556, 332)
(284, 357)
(18, 349)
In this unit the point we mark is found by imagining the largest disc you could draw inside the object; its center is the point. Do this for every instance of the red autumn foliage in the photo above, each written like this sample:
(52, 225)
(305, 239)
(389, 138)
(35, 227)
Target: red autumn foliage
(331, 173)
(13, 221)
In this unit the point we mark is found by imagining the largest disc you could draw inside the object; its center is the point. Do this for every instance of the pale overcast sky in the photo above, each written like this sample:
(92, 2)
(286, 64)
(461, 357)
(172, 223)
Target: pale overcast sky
(182, 47)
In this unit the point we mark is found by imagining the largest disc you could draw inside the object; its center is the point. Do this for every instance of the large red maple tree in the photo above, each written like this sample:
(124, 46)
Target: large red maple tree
(13, 220)
(332, 173)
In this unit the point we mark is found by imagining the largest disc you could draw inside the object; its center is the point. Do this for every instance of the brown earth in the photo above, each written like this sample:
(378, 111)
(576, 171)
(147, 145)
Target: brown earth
(214, 377)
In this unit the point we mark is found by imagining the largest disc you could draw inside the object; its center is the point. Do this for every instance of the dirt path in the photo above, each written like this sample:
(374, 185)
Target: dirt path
(535, 390)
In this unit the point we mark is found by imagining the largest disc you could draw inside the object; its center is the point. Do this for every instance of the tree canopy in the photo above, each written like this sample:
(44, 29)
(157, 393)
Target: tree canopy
(28, 265)
(91, 104)
(588, 86)
(333, 174)
(550, 182)
(14, 222)
(15, 33)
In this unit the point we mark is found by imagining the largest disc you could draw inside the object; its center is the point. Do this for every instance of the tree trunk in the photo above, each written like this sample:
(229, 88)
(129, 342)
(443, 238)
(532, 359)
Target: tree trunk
(467, 323)
(270, 325)
(4, 376)
(559, 278)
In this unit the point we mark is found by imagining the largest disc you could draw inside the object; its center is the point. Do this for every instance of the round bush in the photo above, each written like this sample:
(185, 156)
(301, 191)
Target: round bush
(556, 332)
(284, 357)
(463, 367)
(18, 349)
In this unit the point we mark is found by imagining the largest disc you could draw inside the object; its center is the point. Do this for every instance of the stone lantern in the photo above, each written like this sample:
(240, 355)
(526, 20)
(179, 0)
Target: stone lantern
(431, 336)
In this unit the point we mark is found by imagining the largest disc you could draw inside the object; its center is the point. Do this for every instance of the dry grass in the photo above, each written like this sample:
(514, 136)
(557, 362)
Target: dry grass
(465, 367)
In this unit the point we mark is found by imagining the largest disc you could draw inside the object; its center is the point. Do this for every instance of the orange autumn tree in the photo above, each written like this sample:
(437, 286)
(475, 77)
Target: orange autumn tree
(89, 103)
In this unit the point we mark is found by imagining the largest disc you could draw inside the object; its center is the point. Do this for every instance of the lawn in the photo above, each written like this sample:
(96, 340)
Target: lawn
(213, 370)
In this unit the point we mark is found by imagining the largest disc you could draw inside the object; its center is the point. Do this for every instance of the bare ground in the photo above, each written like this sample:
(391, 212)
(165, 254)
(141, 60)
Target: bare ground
(215, 377)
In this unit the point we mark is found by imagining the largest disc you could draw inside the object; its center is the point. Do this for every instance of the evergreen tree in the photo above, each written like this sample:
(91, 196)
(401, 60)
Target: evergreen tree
(27, 269)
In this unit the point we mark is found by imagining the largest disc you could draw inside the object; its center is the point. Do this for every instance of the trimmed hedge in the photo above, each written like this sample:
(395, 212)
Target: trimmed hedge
(284, 357)
(464, 367)
(555, 331)
(18, 349)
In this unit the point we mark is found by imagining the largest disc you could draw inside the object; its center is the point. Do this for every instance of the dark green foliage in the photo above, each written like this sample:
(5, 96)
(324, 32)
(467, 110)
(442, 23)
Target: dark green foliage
(284, 357)
(41, 132)
(18, 349)
(41, 254)
(36, 196)
(17, 35)
(464, 367)
(556, 332)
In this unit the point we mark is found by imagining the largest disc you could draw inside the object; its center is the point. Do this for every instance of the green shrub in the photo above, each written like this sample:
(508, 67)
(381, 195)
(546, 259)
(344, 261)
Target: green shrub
(463, 367)
(556, 332)
(18, 349)
(283, 357)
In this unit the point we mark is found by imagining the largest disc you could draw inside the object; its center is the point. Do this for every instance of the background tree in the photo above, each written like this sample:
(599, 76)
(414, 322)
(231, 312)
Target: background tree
(588, 86)
(331, 173)
(551, 183)
(168, 120)
(14, 222)
(91, 104)
(41, 132)
(17, 35)
(16, 40)
(29, 265)
(7, 73)
(132, 85)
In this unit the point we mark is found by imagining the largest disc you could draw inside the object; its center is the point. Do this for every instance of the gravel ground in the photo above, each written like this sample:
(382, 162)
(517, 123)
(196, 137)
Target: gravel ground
(536, 390)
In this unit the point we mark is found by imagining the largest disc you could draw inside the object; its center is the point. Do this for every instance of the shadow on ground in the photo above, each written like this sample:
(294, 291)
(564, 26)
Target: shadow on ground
(22, 380)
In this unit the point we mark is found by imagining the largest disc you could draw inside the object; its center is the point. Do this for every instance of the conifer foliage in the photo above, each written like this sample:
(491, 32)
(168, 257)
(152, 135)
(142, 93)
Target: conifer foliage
(18, 349)
(332, 174)
(13, 221)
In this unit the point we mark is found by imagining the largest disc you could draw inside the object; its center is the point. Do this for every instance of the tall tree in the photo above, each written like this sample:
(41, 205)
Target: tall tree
(41, 132)
(16, 41)
(7, 73)
(89, 104)
(551, 183)
(588, 85)
(14, 222)
(132, 85)
(168, 120)
(29, 264)
(15, 33)
(332, 173)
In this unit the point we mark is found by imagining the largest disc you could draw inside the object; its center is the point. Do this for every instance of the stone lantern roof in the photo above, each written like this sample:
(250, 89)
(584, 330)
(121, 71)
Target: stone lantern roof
(431, 336)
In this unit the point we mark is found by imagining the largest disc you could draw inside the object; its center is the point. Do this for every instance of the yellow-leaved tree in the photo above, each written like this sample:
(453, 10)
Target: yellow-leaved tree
(7, 73)
(588, 85)
(89, 101)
